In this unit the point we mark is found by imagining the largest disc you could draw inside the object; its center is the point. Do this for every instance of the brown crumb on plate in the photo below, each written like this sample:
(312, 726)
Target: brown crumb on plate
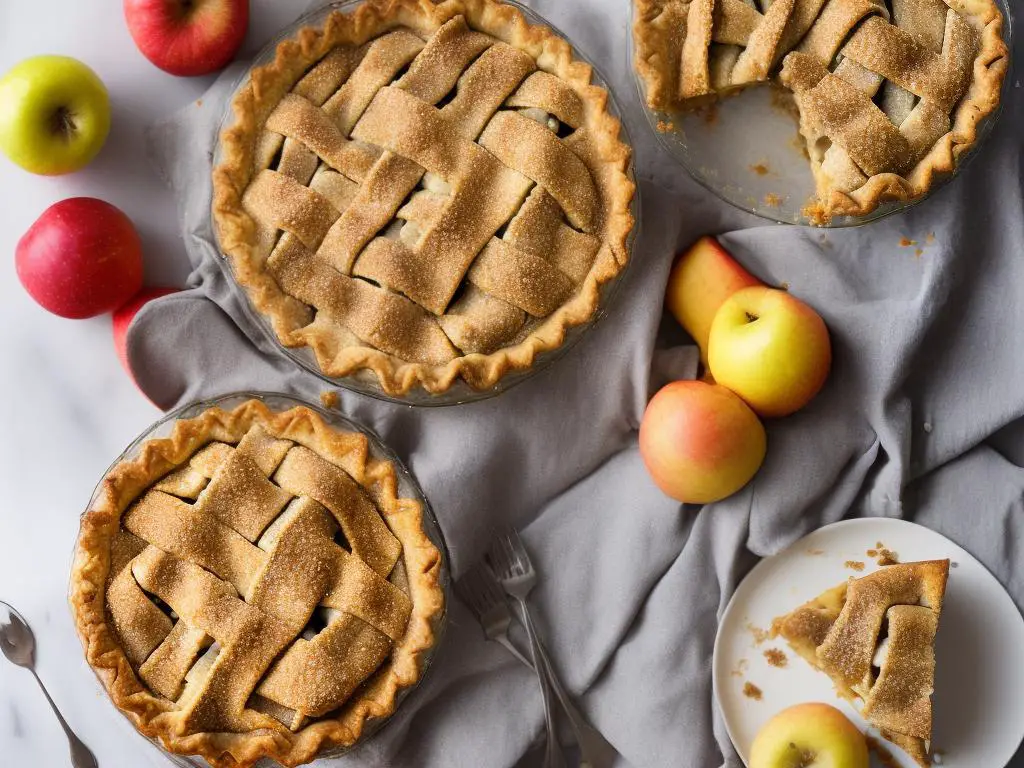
(776, 657)
(854, 565)
(751, 691)
(761, 169)
(666, 126)
(906, 242)
(199, 102)
(811, 551)
(330, 398)
(760, 635)
(918, 252)
(883, 555)
(772, 200)
(929, 238)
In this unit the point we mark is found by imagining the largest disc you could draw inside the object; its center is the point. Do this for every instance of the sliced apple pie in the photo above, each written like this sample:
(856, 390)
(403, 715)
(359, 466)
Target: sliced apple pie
(875, 638)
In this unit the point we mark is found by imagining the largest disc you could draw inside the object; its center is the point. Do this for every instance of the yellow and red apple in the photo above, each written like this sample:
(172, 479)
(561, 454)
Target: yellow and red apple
(700, 442)
(188, 37)
(702, 278)
(769, 348)
(809, 736)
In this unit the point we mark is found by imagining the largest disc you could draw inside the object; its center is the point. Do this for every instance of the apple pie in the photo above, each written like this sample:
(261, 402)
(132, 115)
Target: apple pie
(875, 638)
(252, 586)
(422, 193)
(889, 92)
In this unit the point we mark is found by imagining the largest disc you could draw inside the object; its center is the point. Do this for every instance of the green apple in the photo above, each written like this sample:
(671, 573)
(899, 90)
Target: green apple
(54, 114)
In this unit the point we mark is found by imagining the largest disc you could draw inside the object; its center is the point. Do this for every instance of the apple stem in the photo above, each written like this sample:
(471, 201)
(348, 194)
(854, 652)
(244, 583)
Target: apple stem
(63, 124)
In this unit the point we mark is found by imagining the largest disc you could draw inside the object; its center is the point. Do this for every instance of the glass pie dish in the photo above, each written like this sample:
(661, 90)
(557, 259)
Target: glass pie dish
(364, 380)
(405, 487)
(770, 176)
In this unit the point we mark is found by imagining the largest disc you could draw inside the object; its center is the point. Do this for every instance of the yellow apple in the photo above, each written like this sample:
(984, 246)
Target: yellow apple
(809, 736)
(701, 279)
(700, 442)
(769, 348)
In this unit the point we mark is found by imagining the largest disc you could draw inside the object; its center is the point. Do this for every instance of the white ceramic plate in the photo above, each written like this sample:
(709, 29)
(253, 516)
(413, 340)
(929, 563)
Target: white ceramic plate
(979, 721)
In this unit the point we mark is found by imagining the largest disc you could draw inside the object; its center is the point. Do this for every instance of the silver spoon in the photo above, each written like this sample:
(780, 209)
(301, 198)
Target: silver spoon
(19, 645)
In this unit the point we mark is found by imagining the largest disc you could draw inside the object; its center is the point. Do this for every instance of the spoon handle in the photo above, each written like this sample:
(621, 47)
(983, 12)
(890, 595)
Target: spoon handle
(81, 757)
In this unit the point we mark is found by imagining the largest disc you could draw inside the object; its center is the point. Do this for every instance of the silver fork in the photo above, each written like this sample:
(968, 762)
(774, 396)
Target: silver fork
(512, 565)
(480, 590)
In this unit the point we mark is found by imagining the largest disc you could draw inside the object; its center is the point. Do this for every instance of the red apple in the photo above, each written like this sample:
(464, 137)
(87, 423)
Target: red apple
(702, 278)
(123, 318)
(188, 37)
(81, 258)
(700, 442)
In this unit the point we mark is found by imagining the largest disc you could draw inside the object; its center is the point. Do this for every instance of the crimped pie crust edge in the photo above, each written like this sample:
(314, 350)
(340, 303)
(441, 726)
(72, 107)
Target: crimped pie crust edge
(131, 477)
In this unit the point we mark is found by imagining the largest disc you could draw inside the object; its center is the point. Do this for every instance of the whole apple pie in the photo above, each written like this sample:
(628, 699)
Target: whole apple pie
(424, 192)
(890, 92)
(252, 586)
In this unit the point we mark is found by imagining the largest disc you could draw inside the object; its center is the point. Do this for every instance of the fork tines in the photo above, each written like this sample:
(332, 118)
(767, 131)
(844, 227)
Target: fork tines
(507, 554)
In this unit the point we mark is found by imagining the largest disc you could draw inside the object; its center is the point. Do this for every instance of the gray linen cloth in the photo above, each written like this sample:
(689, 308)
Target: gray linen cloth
(921, 419)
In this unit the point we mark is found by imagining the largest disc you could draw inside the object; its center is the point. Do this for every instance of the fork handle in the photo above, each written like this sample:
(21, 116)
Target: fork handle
(595, 750)
(553, 757)
(507, 644)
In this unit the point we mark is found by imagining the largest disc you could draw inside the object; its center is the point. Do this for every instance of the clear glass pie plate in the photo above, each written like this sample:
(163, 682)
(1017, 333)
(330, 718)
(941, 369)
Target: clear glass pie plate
(364, 381)
(407, 488)
(765, 170)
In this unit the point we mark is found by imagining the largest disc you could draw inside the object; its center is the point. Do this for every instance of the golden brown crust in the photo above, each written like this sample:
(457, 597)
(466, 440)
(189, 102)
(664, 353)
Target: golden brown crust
(655, 62)
(268, 84)
(156, 457)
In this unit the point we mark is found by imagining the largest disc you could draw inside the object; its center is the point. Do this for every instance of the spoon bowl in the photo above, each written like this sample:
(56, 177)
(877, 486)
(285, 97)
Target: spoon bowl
(16, 639)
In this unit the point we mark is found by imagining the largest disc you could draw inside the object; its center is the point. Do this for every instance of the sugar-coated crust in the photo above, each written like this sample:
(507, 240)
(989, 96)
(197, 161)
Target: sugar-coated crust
(269, 83)
(652, 45)
(130, 478)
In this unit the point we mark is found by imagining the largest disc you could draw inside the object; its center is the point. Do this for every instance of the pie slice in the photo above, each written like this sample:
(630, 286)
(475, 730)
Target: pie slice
(875, 637)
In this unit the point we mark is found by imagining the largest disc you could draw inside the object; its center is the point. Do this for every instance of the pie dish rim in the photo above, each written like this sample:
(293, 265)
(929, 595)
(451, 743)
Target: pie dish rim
(107, 660)
(468, 377)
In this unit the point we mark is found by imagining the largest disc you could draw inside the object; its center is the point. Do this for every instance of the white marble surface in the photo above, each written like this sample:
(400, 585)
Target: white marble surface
(68, 407)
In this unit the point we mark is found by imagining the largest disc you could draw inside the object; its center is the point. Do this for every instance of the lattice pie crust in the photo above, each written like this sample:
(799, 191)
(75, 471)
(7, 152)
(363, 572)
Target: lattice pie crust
(252, 586)
(426, 192)
(890, 92)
